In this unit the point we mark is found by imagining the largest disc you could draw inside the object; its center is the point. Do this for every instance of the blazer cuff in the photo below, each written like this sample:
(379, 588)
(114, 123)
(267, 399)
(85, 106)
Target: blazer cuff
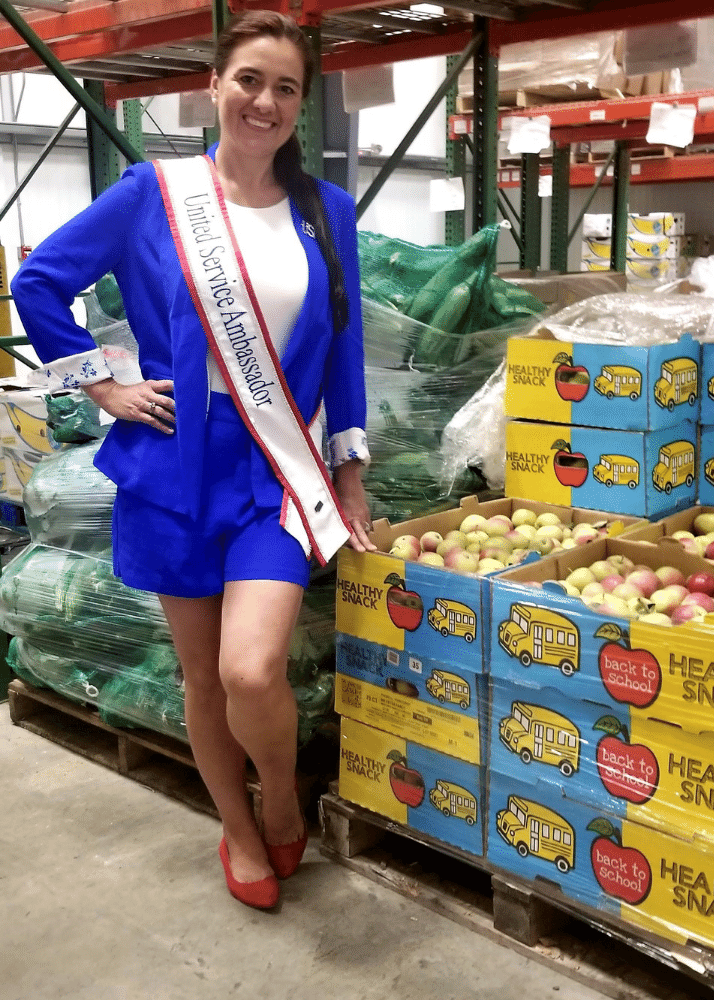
(348, 445)
(77, 370)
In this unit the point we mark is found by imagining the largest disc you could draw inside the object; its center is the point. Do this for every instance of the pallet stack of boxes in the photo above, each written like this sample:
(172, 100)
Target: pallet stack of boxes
(411, 682)
(601, 763)
(656, 247)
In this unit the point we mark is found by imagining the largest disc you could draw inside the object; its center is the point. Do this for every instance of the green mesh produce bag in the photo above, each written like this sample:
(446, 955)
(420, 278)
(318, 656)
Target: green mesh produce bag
(450, 289)
(73, 418)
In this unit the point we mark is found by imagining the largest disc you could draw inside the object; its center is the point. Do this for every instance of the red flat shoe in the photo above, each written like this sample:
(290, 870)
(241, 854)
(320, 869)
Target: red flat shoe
(284, 858)
(262, 895)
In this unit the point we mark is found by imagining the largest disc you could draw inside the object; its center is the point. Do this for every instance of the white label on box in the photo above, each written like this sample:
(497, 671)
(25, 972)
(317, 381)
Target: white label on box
(393, 657)
(545, 186)
(460, 126)
(636, 168)
(414, 665)
(597, 116)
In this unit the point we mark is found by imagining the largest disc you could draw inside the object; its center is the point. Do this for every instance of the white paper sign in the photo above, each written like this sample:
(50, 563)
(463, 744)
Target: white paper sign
(529, 135)
(671, 124)
(545, 186)
(447, 195)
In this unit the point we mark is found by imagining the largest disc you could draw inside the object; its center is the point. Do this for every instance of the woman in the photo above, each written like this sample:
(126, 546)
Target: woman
(221, 495)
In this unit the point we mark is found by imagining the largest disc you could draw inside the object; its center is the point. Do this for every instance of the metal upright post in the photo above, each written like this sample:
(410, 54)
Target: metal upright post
(221, 17)
(454, 222)
(530, 212)
(485, 128)
(103, 154)
(559, 204)
(133, 130)
(620, 198)
(309, 124)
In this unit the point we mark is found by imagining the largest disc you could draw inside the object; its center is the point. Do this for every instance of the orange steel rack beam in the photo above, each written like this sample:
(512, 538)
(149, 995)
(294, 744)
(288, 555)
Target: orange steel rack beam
(655, 170)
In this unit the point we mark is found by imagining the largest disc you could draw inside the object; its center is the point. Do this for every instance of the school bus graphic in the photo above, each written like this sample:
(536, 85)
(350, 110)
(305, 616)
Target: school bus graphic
(453, 800)
(452, 618)
(617, 470)
(534, 829)
(675, 466)
(619, 380)
(677, 383)
(709, 471)
(538, 635)
(449, 687)
(538, 733)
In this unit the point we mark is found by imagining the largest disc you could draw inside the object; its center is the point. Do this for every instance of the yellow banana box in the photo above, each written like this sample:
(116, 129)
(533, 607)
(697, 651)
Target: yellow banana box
(599, 385)
(413, 785)
(639, 473)
(656, 224)
(651, 248)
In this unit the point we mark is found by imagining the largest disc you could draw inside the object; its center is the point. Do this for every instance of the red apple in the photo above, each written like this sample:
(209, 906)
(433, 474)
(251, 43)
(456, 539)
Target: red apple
(628, 771)
(622, 872)
(701, 583)
(429, 540)
(608, 583)
(407, 784)
(704, 601)
(709, 551)
(630, 676)
(404, 607)
(645, 580)
(667, 575)
(686, 613)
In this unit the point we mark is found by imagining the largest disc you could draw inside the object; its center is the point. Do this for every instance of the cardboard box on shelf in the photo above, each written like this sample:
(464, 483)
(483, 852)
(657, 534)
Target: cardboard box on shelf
(654, 224)
(561, 290)
(420, 700)
(648, 878)
(543, 638)
(642, 474)
(602, 385)
(648, 248)
(417, 614)
(413, 785)
(653, 773)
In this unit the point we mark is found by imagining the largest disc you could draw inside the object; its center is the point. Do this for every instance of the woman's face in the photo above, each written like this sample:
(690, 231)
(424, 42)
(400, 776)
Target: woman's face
(258, 95)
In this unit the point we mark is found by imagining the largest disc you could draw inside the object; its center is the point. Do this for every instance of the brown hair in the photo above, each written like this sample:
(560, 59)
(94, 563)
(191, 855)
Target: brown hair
(287, 165)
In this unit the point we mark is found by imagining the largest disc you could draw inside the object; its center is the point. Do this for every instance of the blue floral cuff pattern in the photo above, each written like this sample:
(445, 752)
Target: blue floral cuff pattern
(77, 370)
(347, 445)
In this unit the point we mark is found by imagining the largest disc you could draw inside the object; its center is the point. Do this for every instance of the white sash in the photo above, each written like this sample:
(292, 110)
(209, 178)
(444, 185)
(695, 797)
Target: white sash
(226, 304)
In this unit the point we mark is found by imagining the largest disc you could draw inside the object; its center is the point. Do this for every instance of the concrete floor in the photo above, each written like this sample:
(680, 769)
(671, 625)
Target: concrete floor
(109, 891)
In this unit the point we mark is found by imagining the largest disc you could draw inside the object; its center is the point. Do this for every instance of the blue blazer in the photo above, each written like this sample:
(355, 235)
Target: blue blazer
(126, 231)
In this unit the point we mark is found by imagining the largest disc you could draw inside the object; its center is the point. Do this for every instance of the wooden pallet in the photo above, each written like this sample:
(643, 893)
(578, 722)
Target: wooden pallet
(159, 762)
(591, 947)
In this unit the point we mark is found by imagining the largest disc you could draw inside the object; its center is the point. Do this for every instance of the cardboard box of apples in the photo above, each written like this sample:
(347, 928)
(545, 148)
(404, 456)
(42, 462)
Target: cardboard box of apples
(693, 529)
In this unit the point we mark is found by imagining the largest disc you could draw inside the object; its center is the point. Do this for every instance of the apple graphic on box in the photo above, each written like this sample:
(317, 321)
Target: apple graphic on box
(404, 607)
(622, 872)
(630, 676)
(571, 381)
(571, 467)
(407, 784)
(627, 770)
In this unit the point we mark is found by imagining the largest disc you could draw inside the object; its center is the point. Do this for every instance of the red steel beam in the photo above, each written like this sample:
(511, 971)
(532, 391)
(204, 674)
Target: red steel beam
(123, 38)
(354, 56)
(660, 170)
(162, 85)
(590, 112)
(609, 15)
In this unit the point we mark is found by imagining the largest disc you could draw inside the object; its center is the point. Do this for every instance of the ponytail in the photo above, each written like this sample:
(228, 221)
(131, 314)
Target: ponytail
(303, 189)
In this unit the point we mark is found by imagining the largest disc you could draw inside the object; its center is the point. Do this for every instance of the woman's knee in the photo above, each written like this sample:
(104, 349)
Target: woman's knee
(254, 678)
(201, 674)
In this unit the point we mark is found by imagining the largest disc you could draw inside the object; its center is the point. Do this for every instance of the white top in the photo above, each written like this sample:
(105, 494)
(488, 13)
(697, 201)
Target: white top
(277, 267)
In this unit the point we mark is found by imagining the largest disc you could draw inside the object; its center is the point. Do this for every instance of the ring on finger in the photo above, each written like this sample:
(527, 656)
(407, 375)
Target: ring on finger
(152, 407)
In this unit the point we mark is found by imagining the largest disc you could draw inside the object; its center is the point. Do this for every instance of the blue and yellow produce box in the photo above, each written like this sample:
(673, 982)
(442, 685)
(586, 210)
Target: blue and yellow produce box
(706, 464)
(656, 881)
(706, 416)
(640, 473)
(24, 435)
(417, 698)
(602, 385)
(426, 612)
(412, 785)
(543, 637)
(636, 768)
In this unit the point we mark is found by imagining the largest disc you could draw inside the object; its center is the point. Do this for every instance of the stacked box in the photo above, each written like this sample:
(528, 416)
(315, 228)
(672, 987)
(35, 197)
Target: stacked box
(409, 685)
(24, 437)
(655, 247)
(601, 759)
(647, 398)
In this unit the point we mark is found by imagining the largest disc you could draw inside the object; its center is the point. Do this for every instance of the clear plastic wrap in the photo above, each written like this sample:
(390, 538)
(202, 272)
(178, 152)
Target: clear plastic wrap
(584, 59)
(68, 502)
(116, 340)
(633, 320)
(73, 418)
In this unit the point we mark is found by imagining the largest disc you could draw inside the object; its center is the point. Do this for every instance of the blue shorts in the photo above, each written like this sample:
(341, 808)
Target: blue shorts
(158, 550)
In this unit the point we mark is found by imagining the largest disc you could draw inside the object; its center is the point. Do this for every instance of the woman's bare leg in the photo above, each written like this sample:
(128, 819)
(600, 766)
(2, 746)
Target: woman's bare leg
(195, 625)
(259, 617)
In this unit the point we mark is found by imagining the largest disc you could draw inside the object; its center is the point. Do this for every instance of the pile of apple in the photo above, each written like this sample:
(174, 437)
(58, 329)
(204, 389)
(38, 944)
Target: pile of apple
(483, 545)
(616, 586)
(699, 541)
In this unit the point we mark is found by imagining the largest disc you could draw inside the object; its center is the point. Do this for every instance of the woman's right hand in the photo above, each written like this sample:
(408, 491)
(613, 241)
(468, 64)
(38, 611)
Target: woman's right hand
(143, 403)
